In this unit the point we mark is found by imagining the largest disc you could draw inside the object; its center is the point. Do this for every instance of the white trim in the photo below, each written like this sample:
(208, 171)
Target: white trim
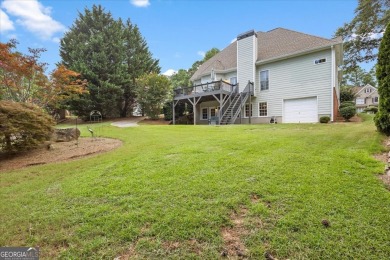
(201, 113)
(244, 116)
(260, 80)
(284, 99)
(215, 108)
(368, 85)
(258, 106)
(296, 54)
(318, 63)
(332, 84)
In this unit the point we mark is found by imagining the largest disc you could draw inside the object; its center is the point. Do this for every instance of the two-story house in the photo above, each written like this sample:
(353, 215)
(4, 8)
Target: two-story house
(366, 96)
(281, 75)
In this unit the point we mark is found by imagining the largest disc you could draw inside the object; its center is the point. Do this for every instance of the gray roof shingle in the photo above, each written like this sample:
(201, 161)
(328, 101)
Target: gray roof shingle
(273, 44)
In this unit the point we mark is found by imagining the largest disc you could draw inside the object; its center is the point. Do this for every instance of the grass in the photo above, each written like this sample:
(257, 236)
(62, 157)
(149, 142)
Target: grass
(170, 190)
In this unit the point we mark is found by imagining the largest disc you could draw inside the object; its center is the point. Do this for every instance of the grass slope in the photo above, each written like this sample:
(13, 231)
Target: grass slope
(170, 190)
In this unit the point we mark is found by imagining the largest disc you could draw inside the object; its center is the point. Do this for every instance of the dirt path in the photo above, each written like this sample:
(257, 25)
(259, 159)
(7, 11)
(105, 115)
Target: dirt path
(60, 152)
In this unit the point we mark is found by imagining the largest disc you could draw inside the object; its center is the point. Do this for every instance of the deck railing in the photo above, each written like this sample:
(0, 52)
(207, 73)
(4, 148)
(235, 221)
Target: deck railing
(214, 86)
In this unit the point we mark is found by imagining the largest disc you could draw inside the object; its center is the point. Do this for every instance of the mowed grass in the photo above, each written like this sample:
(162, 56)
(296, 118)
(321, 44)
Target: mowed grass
(169, 191)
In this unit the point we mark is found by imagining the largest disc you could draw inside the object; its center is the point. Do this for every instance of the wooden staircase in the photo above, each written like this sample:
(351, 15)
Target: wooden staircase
(236, 105)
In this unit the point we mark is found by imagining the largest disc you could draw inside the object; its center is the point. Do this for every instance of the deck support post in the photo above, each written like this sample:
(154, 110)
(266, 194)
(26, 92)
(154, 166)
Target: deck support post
(173, 111)
(194, 103)
(250, 102)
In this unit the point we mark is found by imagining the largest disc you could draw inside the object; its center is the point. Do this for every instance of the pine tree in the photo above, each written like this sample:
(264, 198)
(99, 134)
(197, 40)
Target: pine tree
(110, 55)
(382, 118)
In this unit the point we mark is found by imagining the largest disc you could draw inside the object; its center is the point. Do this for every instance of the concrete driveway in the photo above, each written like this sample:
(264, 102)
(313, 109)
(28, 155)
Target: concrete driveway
(130, 122)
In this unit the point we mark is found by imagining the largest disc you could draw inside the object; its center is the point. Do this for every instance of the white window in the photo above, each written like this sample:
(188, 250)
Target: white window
(233, 80)
(263, 111)
(360, 101)
(319, 61)
(205, 113)
(264, 80)
(367, 90)
(375, 99)
(247, 110)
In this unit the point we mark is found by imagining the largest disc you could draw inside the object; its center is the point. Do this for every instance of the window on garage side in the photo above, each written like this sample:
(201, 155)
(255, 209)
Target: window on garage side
(264, 79)
(205, 113)
(247, 110)
(263, 111)
(213, 111)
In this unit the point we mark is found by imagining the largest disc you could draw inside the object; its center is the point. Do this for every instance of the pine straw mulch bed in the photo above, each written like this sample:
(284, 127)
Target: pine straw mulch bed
(59, 152)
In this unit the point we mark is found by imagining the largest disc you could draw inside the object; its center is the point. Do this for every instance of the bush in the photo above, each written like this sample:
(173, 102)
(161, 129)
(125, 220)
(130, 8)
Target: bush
(324, 119)
(381, 118)
(382, 122)
(348, 112)
(23, 126)
(347, 104)
(373, 110)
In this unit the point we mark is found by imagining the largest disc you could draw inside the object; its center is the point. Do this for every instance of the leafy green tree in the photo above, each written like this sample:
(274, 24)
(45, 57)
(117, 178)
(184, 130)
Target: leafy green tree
(180, 79)
(346, 94)
(110, 55)
(358, 77)
(382, 118)
(363, 34)
(152, 91)
(210, 53)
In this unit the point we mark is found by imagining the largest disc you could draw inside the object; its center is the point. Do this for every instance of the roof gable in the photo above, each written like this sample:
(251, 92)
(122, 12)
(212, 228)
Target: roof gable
(273, 44)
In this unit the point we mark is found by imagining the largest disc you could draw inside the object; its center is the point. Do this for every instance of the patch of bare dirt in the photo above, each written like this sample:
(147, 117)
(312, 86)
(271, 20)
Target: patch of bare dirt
(233, 246)
(60, 152)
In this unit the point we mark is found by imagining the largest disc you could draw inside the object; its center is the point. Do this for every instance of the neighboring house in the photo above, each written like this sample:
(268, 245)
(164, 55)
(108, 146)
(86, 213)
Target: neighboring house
(280, 74)
(366, 96)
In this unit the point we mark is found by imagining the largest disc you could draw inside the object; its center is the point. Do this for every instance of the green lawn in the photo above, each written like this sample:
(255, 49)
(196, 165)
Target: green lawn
(170, 191)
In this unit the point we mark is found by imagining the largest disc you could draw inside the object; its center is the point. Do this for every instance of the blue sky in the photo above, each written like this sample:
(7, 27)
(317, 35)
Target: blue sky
(178, 32)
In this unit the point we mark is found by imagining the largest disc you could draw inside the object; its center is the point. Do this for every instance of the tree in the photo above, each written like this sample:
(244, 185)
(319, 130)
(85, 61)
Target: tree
(358, 77)
(210, 53)
(23, 79)
(23, 126)
(180, 79)
(152, 91)
(139, 62)
(363, 34)
(111, 55)
(382, 118)
(346, 94)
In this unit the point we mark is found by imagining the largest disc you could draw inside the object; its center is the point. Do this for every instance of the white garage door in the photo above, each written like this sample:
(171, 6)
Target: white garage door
(302, 110)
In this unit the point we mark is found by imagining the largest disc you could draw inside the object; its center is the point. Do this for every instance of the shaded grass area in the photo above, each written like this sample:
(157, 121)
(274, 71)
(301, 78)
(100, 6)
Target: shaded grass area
(170, 190)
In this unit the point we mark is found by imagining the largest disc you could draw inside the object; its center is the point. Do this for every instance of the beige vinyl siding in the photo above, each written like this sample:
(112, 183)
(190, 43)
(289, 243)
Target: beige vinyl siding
(246, 60)
(296, 77)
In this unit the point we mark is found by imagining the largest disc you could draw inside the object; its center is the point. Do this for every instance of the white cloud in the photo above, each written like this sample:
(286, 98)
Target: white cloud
(140, 3)
(6, 23)
(201, 53)
(34, 17)
(170, 72)
(371, 36)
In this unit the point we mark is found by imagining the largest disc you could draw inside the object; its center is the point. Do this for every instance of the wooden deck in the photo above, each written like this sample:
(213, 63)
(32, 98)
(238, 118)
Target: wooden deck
(210, 89)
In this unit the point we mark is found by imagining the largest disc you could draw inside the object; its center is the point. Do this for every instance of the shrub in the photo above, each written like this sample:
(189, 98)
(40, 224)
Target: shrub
(347, 104)
(23, 126)
(324, 119)
(371, 109)
(348, 112)
(381, 119)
